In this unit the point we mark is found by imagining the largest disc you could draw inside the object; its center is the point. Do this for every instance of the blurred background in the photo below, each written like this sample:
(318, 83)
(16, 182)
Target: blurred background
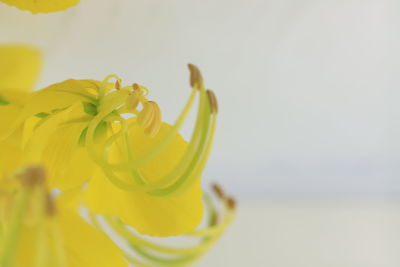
(309, 116)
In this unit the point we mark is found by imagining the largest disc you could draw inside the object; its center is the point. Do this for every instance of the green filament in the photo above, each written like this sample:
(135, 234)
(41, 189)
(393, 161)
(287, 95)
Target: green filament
(146, 249)
(11, 239)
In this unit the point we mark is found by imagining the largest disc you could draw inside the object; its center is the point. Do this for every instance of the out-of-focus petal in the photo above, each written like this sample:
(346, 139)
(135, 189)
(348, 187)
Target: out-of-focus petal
(55, 144)
(42, 6)
(155, 216)
(19, 67)
(87, 246)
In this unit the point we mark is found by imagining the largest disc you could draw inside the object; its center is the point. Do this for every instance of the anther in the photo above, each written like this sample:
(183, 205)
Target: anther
(213, 101)
(218, 191)
(196, 79)
(155, 125)
(231, 203)
(118, 84)
(146, 115)
(50, 205)
(136, 87)
(33, 176)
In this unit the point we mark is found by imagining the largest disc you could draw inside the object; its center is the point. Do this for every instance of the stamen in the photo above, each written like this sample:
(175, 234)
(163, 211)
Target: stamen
(104, 84)
(213, 101)
(148, 252)
(139, 89)
(196, 79)
(118, 84)
(8, 247)
(218, 191)
(191, 164)
(231, 203)
(155, 125)
(59, 252)
(33, 176)
(156, 149)
(136, 87)
(146, 115)
(199, 144)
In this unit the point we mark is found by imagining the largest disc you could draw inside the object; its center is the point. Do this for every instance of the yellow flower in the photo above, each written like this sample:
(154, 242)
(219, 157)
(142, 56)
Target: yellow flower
(137, 167)
(19, 69)
(36, 232)
(136, 170)
(41, 6)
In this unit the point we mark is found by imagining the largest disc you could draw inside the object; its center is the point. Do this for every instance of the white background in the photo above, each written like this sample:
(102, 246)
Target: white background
(308, 94)
(308, 89)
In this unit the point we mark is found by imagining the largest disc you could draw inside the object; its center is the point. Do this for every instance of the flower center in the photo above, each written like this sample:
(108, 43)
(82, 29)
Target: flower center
(126, 100)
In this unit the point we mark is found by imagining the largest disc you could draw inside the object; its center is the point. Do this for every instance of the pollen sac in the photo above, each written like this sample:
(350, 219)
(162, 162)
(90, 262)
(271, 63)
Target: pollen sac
(150, 118)
(196, 79)
(136, 87)
(218, 191)
(155, 125)
(33, 176)
(146, 115)
(213, 101)
(231, 203)
(118, 84)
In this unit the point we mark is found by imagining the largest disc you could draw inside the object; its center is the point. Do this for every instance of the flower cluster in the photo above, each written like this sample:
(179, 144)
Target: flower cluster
(105, 149)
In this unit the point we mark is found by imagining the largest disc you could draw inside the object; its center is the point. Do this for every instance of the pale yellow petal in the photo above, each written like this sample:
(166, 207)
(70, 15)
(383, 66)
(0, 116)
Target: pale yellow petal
(11, 147)
(41, 6)
(87, 246)
(155, 216)
(55, 145)
(19, 67)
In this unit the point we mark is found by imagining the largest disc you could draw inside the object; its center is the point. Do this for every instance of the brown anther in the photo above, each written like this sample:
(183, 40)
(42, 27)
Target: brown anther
(196, 79)
(136, 87)
(50, 205)
(213, 101)
(218, 191)
(231, 203)
(117, 84)
(33, 176)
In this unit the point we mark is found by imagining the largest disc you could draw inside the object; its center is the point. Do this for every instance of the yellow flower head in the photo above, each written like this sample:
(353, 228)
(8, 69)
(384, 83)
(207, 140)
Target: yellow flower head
(41, 6)
(137, 167)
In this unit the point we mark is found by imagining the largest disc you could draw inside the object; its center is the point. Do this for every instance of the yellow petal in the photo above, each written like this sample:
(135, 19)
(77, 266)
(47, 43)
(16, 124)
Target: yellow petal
(54, 98)
(55, 145)
(11, 147)
(41, 6)
(87, 246)
(68, 164)
(157, 216)
(59, 96)
(19, 67)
